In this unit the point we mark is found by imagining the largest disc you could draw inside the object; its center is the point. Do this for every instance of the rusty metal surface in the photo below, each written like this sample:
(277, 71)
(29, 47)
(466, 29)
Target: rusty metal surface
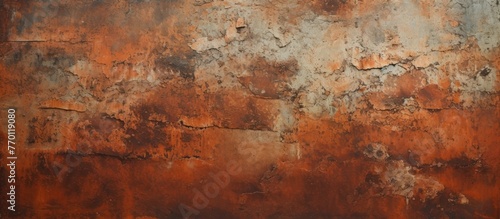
(252, 109)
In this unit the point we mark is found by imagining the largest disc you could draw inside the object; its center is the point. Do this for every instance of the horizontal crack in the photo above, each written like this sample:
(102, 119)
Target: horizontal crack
(221, 127)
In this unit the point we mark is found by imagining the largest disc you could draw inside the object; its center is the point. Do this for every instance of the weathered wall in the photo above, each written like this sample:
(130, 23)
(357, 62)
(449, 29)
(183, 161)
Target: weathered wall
(321, 109)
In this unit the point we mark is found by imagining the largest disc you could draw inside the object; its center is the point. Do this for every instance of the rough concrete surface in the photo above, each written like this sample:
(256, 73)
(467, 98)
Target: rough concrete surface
(252, 109)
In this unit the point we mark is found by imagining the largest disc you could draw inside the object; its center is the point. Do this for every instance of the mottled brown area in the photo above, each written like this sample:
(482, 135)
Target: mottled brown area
(405, 85)
(41, 130)
(4, 23)
(147, 133)
(251, 109)
(270, 80)
(431, 97)
(181, 66)
(332, 7)
(383, 101)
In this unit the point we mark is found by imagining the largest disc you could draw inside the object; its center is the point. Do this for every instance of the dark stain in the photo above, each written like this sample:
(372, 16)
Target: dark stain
(74, 180)
(373, 178)
(14, 58)
(47, 70)
(97, 3)
(148, 133)
(253, 117)
(7, 8)
(38, 13)
(463, 162)
(93, 203)
(41, 130)
(93, 190)
(371, 185)
(18, 55)
(427, 92)
(42, 166)
(413, 159)
(5, 15)
(58, 58)
(485, 72)
(329, 6)
(369, 149)
(25, 23)
(393, 102)
(186, 137)
(108, 193)
(36, 60)
(172, 66)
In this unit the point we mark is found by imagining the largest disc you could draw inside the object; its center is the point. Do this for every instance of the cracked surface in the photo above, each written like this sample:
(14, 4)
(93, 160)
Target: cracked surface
(332, 108)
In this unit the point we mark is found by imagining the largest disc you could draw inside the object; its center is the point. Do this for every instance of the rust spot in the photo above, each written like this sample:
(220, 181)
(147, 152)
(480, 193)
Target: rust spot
(234, 110)
(104, 125)
(74, 180)
(332, 7)
(147, 133)
(173, 66)
(6, 10)
(464, 162)
(431, 97)
(372, 178)
(42, 130)
(413, 159)
(405, 85)
(428, 93)
(4, 23)
(269, 79)
(99, 128)
(107, 193)
(42, 165)
(393, 102)
(186, 137)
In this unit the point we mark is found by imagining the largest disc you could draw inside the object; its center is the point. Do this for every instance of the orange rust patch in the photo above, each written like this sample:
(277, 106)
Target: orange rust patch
(405, 85)
(432, 97)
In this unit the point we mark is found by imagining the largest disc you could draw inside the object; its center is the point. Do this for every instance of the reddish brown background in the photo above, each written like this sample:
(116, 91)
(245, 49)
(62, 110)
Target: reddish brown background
(333, 109)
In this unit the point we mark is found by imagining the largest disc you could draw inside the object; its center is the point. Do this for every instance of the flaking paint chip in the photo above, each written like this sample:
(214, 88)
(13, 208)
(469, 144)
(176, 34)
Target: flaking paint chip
(240, 23)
